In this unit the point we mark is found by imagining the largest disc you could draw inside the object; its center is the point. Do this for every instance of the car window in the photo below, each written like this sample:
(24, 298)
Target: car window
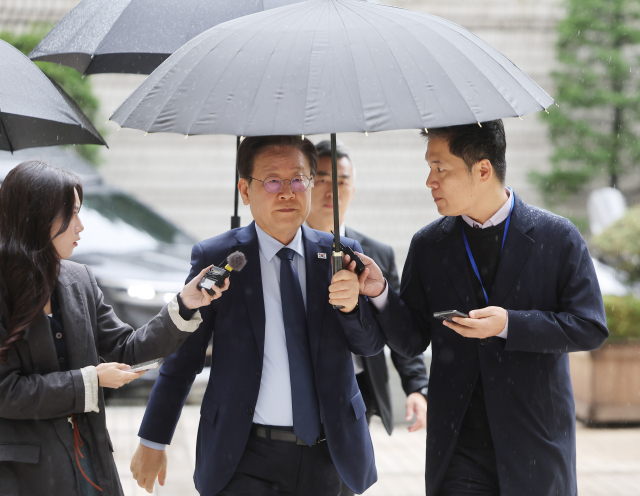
(116, 223)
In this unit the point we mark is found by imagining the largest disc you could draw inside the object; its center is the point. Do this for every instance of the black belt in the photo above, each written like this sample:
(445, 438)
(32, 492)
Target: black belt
(275, 434)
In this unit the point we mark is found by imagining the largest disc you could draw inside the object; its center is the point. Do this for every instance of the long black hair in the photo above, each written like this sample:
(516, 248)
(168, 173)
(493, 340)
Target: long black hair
(33, 196)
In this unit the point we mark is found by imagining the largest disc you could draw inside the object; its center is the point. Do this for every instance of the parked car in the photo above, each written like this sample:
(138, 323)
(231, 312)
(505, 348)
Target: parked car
(140, 259)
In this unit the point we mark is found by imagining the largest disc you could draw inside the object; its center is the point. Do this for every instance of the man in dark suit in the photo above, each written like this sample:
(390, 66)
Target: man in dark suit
(371, 372)
(282, 413)
(501, 413)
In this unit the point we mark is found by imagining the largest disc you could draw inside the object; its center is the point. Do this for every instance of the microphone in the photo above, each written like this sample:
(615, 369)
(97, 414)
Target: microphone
(218, 275)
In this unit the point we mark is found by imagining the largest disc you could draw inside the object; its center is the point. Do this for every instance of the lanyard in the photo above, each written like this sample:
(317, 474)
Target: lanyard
(504, 237)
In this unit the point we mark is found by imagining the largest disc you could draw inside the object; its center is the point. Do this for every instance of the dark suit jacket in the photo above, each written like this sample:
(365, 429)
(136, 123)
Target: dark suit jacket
(547, 282)
(36, 441)
(237, 322)
(413, 372)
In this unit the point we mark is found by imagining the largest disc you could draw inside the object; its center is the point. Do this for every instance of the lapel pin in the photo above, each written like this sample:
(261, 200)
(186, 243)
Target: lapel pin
(322, 255)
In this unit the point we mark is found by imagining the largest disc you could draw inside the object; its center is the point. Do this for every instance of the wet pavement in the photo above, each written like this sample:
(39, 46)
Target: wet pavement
(608, 459)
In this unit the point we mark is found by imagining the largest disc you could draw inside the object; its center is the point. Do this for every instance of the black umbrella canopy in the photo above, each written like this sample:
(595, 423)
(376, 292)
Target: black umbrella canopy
(136, 36)
(328, 66)
(35, 111)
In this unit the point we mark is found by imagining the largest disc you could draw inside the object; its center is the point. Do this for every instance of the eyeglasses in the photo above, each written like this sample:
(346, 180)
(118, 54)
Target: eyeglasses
(274, 184)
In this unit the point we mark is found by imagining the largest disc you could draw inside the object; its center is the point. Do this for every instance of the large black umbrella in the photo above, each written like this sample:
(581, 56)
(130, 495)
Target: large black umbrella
(328, 66)
(136, 36)
(35, 111)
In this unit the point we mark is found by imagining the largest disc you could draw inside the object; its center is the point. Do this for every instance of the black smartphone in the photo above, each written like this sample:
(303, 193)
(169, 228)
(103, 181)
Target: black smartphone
(449, 314)
(151, 364)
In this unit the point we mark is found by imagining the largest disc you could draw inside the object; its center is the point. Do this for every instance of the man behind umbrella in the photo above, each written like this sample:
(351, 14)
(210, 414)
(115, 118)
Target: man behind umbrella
(501, 413)
(282, 413)
(371, 372)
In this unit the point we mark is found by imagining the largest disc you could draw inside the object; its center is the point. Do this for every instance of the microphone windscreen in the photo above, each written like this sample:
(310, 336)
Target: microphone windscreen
(237, 260)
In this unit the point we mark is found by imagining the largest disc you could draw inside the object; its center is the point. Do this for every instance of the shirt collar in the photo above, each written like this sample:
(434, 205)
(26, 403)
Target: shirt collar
(270, 246)
(343, 228)
(500, 216)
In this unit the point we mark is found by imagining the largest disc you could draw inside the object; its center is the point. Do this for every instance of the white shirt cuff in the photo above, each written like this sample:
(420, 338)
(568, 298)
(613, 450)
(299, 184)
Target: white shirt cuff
(380, 301)
(90, 379)
(184, 325)
(505, 331)
(152, 445)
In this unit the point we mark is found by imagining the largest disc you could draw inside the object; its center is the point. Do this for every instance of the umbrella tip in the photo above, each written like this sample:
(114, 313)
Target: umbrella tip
(546, 111)
(426, 130)
(556, 104)
(186, 136)
(479, 124)
(366, 134)
(520, 117)
(303, 136)
(119, 128)
(146, 133)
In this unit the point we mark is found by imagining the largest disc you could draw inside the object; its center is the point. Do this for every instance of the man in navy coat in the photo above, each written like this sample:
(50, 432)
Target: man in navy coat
(282, 413)
(501, 417)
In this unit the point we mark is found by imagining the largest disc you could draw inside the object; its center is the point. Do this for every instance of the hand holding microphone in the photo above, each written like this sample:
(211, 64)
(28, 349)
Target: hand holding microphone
(209, 284)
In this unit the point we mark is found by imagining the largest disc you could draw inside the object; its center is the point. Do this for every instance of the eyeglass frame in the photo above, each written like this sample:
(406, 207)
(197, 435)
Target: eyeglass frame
(282, 182)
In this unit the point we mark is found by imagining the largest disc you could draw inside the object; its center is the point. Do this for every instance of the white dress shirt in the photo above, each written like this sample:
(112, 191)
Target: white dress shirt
(274, 405)
(380, 301)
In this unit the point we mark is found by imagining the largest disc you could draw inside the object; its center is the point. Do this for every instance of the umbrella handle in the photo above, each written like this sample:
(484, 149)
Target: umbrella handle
(337, 267)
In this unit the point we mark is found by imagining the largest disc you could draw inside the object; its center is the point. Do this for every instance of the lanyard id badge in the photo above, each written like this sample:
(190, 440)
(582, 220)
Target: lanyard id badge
(504, 237)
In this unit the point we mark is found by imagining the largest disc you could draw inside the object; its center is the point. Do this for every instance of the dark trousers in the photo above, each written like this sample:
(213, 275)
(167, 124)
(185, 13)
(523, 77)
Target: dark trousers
(471, 472)
(279, 468)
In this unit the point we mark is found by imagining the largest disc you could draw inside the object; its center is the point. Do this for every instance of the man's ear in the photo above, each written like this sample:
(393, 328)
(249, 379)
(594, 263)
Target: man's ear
(486, 170)
(243, 188)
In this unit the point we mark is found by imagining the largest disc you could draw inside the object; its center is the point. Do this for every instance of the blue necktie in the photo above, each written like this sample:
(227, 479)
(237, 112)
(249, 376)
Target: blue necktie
(304, 398)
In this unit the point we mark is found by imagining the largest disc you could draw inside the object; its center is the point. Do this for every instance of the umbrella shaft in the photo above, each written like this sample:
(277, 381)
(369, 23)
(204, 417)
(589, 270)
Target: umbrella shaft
(235, 220)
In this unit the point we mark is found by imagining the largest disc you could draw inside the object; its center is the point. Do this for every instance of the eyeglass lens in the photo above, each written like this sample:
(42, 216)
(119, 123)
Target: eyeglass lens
(275, 184)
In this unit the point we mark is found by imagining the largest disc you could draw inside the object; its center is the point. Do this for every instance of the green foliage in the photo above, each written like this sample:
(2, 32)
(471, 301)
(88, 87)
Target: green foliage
(594, 132)
(619, 244)
(71, 81)
(623, 317)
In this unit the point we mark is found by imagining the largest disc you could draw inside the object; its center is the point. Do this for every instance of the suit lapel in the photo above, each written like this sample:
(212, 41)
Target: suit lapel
(250, 280)
(318, 276)
(78, 332)
(517, 248)
(453, 258)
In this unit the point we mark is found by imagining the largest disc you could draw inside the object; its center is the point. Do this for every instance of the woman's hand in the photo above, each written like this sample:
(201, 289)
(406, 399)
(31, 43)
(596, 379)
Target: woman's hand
(114, 375)
(193, 298)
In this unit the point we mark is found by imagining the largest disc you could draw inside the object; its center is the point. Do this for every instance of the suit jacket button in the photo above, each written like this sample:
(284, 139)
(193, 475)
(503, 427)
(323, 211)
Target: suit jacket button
(250, 410)
(483, 341)
(61, 359)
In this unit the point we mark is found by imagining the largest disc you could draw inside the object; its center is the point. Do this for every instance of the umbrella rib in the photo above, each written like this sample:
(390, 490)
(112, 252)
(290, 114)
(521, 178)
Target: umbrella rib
(353, 64)
(398, 65)
(507, 71)
(462, 34)
(231, 61)
(113, 24)
(436, 19)
(6, 133)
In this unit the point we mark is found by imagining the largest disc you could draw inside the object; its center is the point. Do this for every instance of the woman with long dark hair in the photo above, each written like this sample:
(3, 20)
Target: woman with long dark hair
(55, 330)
